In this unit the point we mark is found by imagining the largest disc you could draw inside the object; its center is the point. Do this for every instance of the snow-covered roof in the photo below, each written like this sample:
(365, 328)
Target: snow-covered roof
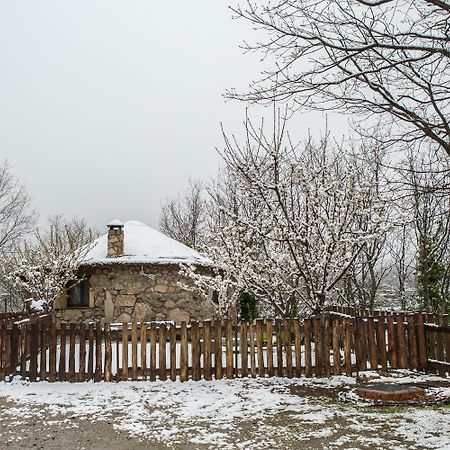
(144, 245)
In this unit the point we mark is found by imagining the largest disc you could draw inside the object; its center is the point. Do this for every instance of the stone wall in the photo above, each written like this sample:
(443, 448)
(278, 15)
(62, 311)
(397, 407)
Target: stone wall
(123, 293)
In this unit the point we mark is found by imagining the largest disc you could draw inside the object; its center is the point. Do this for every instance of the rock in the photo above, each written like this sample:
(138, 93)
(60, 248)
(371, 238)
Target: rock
(178, 315)
(125, 300)
(161, 288)
(109, 307)
(169, 304)
(143, 312)
(124, 317)
(73, 315)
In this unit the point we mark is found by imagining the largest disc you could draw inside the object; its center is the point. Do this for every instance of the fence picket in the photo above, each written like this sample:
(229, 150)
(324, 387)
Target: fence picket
(326, 332)
(173, 352)
(371, 339)
(184, 362)
(229, 348)
(218, 366)
(244, 349)
(43, 352)
(90, 372)
(279, 329)
(252, 350)
(336, 347)
(381, 342)
(153, 351)
(288, 346)
(307, 326)
(73, 329)
(162, 351)
(124, 351)
(144, 350)
(298, 348)
(108, 352)
(269, 347)
(259, 346)
(347, 347)
(82, 355)
(62, 354)
(134, 351)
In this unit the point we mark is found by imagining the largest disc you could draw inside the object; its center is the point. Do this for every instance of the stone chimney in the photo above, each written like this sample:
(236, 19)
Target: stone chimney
(115, 239)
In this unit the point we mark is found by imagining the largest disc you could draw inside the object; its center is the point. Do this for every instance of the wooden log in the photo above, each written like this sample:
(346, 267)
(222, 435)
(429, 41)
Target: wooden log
(326, 347)
(269, 338)
(307, 326)
(184, 362)
(244, 349)
(144, 349)
(207, 375)
(252, 350)
(124, 351)
(402, 347)
(259, 347)
(62, 354)
(152, 351)
(288, 347)
(90, 372)
(218, 366)
(134, 351)
(381, 342)
(173, 352)
(298, 348)
(347, 346)
(371, 338)
(98, 353)
(162, 351)
(43, 352)
(73, 331)
(392, 347)
(108, 353)
(229, 348)
(336, 330)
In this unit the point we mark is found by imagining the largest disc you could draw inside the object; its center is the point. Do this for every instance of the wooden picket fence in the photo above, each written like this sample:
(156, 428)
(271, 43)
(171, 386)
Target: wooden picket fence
(320, 346)
(436, 326)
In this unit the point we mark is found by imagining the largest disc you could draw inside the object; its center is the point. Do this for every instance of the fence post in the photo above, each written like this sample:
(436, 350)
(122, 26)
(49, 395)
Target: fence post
(244, 349)
(173, 352)
(162, 351)
(52, 353)
(308, 358)
(229, 348)
(298, 348)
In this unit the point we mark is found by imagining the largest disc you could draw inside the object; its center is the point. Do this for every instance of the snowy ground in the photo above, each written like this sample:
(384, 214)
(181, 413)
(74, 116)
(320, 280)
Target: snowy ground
(236, 414)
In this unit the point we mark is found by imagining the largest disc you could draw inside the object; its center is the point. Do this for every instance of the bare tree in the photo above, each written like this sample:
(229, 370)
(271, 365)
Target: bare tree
(372, 57)
(16, 216)
(183, 218)
(40, 269)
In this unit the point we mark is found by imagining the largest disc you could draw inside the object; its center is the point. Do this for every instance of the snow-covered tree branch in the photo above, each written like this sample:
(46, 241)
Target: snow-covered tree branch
(291, 220)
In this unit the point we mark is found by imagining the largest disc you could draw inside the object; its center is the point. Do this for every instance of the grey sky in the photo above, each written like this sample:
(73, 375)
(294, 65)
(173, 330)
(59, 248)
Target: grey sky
(108, 107)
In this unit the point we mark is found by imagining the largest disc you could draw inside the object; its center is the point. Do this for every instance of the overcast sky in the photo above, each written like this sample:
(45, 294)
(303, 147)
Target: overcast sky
(108, 107)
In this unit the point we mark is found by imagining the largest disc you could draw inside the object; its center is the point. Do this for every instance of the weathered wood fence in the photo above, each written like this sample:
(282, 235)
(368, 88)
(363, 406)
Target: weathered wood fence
(320, 346)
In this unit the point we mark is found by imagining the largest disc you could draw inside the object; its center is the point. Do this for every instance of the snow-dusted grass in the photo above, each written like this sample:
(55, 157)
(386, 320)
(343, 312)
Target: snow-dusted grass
(241, 413)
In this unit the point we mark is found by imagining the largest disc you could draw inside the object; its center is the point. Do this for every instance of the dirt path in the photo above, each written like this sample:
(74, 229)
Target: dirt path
(40, 430)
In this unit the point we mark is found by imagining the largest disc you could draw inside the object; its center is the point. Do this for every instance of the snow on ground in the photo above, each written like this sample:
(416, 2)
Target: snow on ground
(229, 414)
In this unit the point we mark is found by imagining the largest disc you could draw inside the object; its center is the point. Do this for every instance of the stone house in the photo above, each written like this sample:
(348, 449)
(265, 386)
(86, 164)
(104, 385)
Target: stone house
(132, 273)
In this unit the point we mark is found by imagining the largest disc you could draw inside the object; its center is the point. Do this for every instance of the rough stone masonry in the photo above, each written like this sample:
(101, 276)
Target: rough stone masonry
(146, 292)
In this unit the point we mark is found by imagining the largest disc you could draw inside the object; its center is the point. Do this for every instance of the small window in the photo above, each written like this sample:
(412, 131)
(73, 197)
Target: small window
(78, 294)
